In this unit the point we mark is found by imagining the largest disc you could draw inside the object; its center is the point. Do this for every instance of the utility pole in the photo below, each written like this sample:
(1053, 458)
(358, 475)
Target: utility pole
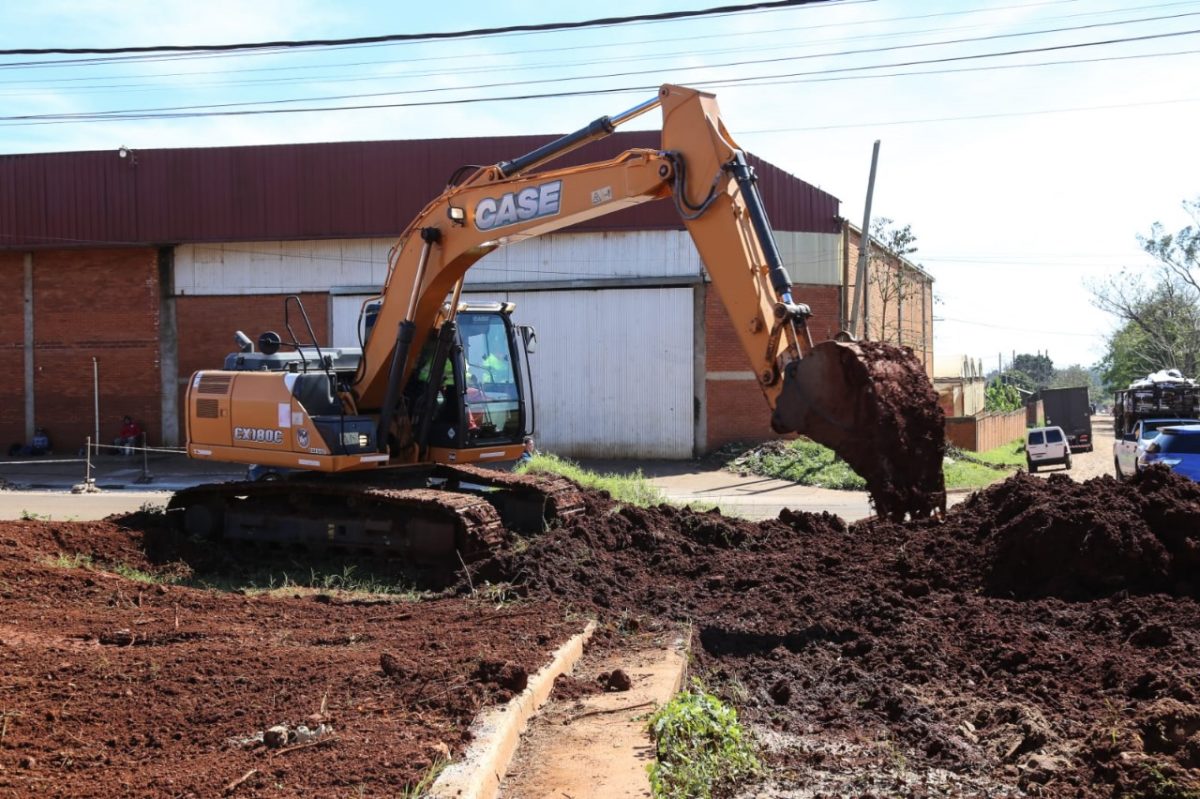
(864, 247)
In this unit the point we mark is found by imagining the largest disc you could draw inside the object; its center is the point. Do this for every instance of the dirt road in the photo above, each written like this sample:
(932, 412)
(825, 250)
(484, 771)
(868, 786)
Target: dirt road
(1086, 465)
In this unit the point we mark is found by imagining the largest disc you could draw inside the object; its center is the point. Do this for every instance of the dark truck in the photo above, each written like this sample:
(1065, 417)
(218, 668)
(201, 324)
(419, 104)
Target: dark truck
(1140, 410)
(1070, 409)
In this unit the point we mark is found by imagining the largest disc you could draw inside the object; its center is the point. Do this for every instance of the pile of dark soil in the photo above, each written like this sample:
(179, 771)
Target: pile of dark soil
(1044, 640)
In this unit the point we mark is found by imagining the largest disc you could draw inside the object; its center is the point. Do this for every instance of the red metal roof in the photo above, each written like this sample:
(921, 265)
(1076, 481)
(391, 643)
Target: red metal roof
(301, 191)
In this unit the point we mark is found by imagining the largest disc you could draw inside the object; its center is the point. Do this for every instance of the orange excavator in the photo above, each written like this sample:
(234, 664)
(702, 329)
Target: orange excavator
(382, 445)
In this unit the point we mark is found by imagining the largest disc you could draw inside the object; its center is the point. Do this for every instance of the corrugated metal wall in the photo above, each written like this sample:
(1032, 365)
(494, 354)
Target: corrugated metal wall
(613, 370)
(283, 266)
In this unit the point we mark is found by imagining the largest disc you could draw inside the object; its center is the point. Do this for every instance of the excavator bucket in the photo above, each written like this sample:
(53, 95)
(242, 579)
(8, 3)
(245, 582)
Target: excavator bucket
(873, 405)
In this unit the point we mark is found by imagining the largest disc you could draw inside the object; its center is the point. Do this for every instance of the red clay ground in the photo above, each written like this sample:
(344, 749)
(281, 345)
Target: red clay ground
(111, 687)
(1044, 640)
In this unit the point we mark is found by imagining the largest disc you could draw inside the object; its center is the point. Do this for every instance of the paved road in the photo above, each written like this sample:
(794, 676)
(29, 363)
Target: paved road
(681, 481)
(755, 497)
(65, 506)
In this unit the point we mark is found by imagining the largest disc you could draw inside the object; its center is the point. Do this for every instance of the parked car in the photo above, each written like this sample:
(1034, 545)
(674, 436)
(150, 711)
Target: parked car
(1129, 448)
(1045, 446)
(1176, 447)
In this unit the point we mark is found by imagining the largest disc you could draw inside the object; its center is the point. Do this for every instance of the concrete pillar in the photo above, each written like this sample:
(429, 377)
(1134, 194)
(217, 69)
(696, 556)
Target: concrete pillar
(30, 407)
(699, 370)
(168, 347)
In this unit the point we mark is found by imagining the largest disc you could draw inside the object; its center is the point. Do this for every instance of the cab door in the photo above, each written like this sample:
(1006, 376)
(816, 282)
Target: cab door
(1127, 449)
(1035, 445)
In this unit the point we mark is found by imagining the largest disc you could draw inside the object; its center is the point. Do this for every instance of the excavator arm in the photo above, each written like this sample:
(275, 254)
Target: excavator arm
(872, 403)
(699, 168)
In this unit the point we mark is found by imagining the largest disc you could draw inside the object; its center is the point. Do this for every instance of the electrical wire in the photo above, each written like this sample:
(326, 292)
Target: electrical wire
(580, 64)
(178, 112)
(602, 22)
(558, 64)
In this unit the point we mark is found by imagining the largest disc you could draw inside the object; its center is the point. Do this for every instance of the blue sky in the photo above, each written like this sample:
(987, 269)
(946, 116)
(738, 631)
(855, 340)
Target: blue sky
(1023, 183)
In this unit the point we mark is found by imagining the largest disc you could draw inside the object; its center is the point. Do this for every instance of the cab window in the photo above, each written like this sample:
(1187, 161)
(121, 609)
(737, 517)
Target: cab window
(1037, 438)
(1181, 444)
(492, 398)
(1053, 437)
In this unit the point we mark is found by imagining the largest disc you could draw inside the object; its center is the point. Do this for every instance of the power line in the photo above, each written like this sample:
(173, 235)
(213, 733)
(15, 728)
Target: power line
(949, 71)
(178, 112)
(997, 115)
(814, 27)
(415, 37)
(565, 66)
(723, 36)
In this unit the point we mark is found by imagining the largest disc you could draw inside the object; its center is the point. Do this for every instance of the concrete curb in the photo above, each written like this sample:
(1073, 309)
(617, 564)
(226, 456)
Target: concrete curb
(497, 732)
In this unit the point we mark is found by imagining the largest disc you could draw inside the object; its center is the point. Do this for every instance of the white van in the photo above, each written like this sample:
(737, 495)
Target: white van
(1046, 445)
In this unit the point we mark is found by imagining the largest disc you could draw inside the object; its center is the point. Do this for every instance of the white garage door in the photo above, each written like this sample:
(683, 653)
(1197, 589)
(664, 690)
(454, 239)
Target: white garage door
(612, 373)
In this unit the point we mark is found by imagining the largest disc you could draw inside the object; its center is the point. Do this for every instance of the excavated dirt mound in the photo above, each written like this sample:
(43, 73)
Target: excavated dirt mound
(1043, 641)
(1056, 537)
(111, 686)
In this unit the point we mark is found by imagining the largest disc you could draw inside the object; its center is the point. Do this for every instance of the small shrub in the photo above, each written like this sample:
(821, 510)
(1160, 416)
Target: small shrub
(701, 750)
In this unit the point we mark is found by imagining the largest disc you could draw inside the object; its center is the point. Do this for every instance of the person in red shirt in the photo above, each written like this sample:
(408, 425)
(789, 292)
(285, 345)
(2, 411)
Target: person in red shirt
(131, 432)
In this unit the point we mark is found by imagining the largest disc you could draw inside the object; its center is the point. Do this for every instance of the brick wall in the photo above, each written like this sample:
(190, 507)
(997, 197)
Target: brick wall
(100, 304)
(888, 319)
(986, 431)
(735, 408)
(12, 348)
(206, 325)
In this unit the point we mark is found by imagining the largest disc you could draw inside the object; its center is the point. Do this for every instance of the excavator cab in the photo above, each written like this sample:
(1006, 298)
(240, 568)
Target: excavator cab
(484, 397)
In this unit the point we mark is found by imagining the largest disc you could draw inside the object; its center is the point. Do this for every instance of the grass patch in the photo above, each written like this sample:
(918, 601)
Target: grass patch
(73, 561)
(631, 489)
(80, 561)
(808, 463)
(140, 576)
(978, 469)
(700, 747)
(1158, 785)
(335, 580)
(799, 461)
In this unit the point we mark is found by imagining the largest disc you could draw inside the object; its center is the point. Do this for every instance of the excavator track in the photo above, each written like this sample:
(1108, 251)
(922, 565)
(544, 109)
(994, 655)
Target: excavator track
(421, 525)
(527, 502)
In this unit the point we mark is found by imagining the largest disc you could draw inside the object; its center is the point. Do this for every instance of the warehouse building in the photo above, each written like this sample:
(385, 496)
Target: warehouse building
(128, 270)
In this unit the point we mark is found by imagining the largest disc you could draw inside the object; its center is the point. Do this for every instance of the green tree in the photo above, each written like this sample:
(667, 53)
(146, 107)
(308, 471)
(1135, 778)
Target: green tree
(1039, 368)
(1156, 306)
(886, 275)
(1001, 396)
(1074, 376)
(1161, 331)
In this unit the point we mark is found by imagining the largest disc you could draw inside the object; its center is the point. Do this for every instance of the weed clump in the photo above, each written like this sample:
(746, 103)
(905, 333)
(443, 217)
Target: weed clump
(701, 750)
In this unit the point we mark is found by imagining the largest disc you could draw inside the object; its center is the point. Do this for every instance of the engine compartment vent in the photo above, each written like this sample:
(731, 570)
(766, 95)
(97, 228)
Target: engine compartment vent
(208, 409)
(214, 384)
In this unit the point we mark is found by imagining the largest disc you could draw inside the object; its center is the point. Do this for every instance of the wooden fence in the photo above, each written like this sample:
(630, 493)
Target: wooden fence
(985, 431)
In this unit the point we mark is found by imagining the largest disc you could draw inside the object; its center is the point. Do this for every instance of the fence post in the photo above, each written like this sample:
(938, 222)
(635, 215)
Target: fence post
(145, 476)
(89, 482)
